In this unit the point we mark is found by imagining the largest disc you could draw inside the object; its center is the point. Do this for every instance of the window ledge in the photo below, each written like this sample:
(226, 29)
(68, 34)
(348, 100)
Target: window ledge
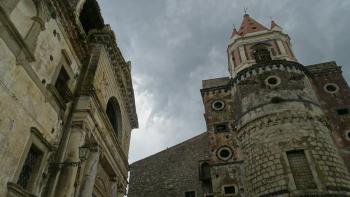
(15, 190)
(58, 98)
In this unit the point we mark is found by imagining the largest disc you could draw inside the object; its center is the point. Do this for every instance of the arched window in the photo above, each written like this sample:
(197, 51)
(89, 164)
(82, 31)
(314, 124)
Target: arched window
(114, 115)
(90, 16)
(261, 53)
(205, 172)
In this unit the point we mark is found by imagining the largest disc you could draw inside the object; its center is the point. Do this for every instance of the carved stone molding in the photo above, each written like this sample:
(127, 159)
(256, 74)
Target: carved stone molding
(106, 38)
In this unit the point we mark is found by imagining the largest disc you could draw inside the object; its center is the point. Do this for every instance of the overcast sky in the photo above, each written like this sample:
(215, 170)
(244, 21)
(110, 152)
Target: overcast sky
(175, 44)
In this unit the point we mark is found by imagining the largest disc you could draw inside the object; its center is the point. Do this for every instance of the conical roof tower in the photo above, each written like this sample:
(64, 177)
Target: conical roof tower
(252, 36)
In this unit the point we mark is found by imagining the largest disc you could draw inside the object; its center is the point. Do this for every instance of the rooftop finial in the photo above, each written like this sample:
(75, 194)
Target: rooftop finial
(245, 10)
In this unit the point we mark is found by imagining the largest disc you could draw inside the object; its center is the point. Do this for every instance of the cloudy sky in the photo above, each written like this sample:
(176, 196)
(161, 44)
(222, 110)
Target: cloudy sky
(175, 44)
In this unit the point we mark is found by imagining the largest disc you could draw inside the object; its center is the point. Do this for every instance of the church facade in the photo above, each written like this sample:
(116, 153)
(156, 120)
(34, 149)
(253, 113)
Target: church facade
(274, 128)
(66, 99)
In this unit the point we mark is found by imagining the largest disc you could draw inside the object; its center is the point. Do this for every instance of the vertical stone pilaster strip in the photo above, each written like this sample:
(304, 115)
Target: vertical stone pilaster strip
(90, 173)
(68, 175)
(114, 186)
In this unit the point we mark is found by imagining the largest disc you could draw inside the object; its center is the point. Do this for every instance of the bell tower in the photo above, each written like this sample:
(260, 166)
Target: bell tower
(253, 43)
(268, 133)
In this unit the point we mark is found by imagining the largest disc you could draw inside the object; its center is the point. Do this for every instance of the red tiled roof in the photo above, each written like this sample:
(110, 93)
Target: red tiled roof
(250, 25)
(234, 32)
(273, 24)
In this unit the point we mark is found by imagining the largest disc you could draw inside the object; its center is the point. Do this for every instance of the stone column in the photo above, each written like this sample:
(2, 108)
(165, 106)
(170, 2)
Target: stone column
(114, 186)
(88, 180)
(79, 179)
(68, 175)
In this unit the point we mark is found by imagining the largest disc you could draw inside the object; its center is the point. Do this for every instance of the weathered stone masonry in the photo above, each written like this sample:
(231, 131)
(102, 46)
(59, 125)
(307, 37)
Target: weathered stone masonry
(66, 99)
(171, 172)
(275, 127)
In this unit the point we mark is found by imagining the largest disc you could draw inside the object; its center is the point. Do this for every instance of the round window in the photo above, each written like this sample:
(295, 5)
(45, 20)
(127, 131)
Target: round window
(331, 88)
(224, 153)
(272, 81)
(218, 105)
(347, 135)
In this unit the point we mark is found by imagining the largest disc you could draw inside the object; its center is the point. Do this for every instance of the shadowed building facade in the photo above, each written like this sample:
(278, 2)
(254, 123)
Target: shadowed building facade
(66, 99)
(274, 128)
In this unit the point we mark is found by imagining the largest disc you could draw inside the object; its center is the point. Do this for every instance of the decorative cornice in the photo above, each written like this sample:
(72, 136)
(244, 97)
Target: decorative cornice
(213, 90)
(243, 39)
(288, 66)
(66, 15)
(42, 139)
(122, 69)
(16, 190)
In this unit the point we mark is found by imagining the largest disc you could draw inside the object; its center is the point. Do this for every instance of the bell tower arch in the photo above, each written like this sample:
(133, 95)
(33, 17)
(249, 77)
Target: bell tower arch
(253, 43)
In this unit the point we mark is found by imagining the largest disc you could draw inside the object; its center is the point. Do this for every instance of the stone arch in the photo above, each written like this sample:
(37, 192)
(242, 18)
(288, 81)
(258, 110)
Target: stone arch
(261, 52)
(114, 115)
(89, 15)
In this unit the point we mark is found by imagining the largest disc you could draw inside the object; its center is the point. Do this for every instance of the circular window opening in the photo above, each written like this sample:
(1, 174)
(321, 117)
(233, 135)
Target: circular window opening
(272, 81)
(224, 153)
(331, 88)
(218, 105)
(347, 135)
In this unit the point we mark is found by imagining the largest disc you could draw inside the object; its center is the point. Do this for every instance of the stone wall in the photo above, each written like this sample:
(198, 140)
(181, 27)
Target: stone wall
(27, 103)
(171, 172)
(329, 73)
(228, 174)
(278, 118)
(51, 123)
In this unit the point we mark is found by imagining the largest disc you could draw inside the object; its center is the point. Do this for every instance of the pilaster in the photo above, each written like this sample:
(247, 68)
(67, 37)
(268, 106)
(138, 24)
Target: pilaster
(90, 172)
(68, 175)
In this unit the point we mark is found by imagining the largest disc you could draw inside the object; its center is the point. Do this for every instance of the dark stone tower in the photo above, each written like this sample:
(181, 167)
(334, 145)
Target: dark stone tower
(269, 135)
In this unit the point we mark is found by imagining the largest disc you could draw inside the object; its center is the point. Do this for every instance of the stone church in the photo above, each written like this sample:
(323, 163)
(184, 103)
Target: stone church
(275, 127)
(67, 104)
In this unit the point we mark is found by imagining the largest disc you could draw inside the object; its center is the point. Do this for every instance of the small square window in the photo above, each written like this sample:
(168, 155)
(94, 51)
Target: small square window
(222, 127)
(229, 189)
(343, 111)
(190, 194)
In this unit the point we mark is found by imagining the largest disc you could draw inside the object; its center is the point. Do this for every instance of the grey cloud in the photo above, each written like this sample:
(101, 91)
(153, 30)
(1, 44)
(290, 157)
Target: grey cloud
(174, 44)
